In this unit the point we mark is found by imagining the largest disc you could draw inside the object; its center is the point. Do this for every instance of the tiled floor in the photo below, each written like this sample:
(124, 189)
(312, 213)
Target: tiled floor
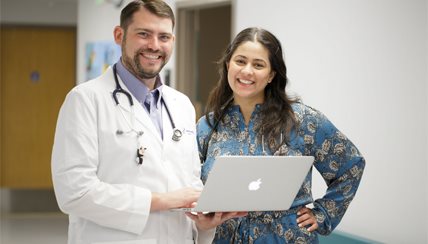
(37, 228)
(51, 228)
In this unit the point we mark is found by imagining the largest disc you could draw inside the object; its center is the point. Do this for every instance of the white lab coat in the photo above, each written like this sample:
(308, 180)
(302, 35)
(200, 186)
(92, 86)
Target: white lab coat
(97, 180)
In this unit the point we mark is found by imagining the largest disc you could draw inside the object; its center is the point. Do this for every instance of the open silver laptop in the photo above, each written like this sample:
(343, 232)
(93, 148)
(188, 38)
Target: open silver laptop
(253, 183)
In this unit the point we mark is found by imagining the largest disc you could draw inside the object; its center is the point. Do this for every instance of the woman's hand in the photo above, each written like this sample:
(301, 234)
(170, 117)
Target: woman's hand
(211, 220)
(305, 218)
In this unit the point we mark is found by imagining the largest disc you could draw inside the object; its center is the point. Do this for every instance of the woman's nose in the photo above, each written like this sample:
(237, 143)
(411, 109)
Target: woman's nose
(247, 69)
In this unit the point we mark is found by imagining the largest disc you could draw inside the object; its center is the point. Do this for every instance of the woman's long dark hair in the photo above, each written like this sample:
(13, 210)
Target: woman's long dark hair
(276, 112)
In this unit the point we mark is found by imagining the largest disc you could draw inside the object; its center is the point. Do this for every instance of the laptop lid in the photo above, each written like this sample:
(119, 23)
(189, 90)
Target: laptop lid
(253, 183)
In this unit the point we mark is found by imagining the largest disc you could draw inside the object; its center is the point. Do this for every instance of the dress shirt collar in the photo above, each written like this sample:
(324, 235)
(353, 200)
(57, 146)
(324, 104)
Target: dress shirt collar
(138, 89)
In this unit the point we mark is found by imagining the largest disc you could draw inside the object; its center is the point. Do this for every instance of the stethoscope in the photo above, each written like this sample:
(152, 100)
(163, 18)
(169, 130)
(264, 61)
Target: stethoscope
(176, 135)
(214, 129)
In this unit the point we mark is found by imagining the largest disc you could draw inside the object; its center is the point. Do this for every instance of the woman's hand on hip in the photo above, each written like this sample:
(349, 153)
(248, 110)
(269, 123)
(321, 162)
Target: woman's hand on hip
(306, 219)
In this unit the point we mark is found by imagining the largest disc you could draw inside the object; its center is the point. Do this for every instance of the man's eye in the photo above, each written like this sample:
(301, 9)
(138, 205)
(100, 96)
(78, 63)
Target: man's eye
(165, 38)
(143, 34)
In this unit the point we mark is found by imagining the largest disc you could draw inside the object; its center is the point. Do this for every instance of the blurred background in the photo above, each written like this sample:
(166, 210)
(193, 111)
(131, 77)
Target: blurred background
(363, 63)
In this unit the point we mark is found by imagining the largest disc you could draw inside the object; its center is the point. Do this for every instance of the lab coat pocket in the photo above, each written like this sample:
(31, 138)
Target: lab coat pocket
(187, 143)
(184, 153)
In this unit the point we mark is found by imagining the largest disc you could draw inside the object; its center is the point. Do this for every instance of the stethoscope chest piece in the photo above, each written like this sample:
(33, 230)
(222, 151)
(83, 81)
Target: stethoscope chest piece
(176, 134)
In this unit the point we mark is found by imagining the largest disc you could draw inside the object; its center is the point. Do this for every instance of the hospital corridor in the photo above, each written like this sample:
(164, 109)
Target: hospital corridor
(362, 63)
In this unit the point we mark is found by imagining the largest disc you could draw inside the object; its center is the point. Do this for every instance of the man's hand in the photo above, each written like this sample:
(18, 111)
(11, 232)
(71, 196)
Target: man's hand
(211, 220)
(183, 198)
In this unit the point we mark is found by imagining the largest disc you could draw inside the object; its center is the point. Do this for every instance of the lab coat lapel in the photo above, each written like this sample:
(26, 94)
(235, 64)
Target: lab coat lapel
(170, 102)
(144, 120)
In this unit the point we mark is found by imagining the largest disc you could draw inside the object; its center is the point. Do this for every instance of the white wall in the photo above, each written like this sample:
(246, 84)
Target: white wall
(39, 12)
(96, 23)
(426, 73)
(364, 64)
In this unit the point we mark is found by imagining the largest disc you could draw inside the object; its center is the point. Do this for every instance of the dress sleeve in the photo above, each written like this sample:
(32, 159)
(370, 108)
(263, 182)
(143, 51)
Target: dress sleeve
(341, 166)
(202, 131)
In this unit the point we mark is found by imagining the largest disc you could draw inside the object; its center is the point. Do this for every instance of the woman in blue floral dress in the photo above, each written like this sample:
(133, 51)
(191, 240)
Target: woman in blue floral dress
(250, 113)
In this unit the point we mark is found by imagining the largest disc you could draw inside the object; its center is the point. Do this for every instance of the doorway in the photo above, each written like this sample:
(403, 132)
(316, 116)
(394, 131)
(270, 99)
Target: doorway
(203, 33)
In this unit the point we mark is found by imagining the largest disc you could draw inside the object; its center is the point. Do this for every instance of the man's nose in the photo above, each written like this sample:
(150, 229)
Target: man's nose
(153, 44)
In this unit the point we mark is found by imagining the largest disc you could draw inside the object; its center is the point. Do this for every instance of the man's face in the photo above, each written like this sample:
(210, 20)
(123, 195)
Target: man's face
(146, 44)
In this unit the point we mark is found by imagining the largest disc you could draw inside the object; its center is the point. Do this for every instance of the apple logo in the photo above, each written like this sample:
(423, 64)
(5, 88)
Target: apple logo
(254, 185)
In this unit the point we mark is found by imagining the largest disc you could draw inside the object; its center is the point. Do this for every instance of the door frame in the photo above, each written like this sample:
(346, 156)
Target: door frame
(186, 49)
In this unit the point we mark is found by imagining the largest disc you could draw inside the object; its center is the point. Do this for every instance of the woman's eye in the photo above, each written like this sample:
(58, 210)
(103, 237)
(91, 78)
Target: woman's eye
(240, 61)
(259, 66)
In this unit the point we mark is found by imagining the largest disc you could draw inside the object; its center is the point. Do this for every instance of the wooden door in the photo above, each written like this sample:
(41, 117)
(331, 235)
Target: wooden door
(38, 68)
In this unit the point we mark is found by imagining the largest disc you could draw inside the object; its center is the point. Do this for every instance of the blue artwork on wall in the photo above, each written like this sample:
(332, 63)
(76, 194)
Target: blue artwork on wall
(99, 55)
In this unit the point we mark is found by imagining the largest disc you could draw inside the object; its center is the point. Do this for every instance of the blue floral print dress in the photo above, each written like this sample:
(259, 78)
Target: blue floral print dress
(336, 158)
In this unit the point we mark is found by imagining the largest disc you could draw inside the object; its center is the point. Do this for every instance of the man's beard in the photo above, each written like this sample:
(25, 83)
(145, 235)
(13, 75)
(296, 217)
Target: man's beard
(136, 68)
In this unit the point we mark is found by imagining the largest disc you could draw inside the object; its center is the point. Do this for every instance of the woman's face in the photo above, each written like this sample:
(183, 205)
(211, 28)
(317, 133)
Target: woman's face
(249, 72)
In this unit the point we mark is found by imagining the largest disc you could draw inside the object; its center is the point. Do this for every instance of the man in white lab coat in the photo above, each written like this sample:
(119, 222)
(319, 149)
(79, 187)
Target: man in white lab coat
(125, 150)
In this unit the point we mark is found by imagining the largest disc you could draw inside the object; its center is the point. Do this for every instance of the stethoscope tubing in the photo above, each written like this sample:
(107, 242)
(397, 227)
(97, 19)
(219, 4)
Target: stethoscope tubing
(176, 135)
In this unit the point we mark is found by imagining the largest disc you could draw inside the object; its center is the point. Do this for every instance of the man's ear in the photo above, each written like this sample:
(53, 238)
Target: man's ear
(118, 34)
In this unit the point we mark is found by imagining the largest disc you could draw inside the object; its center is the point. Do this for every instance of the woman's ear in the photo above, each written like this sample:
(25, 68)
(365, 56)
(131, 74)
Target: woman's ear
(271, 76)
